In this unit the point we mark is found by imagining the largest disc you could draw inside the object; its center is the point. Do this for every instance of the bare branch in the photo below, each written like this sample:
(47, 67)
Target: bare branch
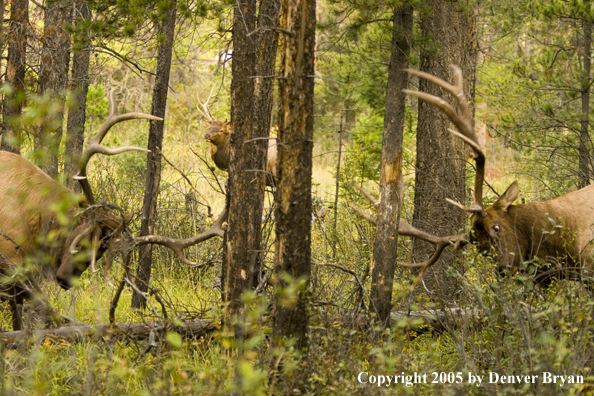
(207, 204)
(178, 245)
(406, 229)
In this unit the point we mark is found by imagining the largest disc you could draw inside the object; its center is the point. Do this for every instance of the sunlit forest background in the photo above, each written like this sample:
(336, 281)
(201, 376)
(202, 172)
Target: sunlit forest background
(532, 73)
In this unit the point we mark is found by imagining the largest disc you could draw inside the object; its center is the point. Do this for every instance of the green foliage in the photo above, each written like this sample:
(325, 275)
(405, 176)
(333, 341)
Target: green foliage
(97, 108)
(531, 81)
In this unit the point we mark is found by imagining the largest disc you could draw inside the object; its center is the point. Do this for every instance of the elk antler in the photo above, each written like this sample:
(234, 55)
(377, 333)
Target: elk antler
(95, 146)
(406, 229)
(205, 111)
(178, 245)
(462, 122)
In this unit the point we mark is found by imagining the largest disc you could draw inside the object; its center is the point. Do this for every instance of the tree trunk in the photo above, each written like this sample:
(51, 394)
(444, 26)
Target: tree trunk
(295, 144)
(251, 106)
(245, 187)
(391, 179)
(15, 74)
(153, 160)
(266, 51)
(441, 157)
(584, 152)
(53, 80)
(75, 130)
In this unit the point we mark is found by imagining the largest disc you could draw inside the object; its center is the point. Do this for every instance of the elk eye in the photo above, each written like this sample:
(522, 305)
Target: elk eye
(496, 228)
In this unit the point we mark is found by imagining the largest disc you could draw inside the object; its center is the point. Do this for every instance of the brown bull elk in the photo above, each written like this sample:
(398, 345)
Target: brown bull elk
(219, 136)
(558, 232)
(41, 220)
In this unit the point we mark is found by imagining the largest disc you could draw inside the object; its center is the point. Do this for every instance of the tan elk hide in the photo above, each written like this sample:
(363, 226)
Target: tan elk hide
(30, 202)
(44, 222)
(219, 137)
(558, 232)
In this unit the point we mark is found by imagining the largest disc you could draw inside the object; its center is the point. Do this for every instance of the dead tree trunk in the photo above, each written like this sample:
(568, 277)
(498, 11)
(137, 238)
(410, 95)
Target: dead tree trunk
(391, 180)
(153, 160)
(75, 129)
(15, 74)
(295, 144)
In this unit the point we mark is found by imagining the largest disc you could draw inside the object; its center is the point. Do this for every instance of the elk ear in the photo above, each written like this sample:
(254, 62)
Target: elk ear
(129, 217)
(508, 197)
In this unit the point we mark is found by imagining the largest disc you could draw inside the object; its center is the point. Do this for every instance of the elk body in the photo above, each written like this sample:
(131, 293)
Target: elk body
(559, 232)
(30, 203)
(41, 220)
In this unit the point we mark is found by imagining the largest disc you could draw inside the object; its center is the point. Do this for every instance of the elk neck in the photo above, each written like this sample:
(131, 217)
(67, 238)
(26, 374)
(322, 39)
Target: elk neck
(220, 153)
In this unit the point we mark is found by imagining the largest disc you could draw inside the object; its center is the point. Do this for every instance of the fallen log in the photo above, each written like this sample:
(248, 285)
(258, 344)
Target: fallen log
(193, 328)
(413, 320)
(435, 318)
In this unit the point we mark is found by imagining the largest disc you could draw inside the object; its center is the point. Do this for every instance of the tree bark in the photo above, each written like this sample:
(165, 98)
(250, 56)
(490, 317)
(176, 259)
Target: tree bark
(155, 146)
(15, 74)
(53, 80)
(391, 179)
(295, 144)
(245, 188)
(584, 151)
(251, 106)
(450, 38)
(79, 87)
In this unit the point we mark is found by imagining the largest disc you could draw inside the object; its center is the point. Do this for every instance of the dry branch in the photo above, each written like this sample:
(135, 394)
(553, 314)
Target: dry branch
(436, 319)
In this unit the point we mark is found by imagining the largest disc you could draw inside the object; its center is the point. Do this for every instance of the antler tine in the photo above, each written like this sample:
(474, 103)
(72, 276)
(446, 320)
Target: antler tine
(206, 113)
(406, 229)
(95, 146)
(462, 122)
(178, 245)
(440, 243)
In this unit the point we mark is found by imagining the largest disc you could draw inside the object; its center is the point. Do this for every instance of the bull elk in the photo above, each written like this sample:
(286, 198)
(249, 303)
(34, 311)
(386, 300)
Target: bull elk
(557, 232)
(32, 225)
(219, 136)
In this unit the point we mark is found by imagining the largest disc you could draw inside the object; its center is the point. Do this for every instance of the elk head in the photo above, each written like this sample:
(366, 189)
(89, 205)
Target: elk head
(495, 232)
(219, 135)
(493, 229)
(515, 234)
(99, 229)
